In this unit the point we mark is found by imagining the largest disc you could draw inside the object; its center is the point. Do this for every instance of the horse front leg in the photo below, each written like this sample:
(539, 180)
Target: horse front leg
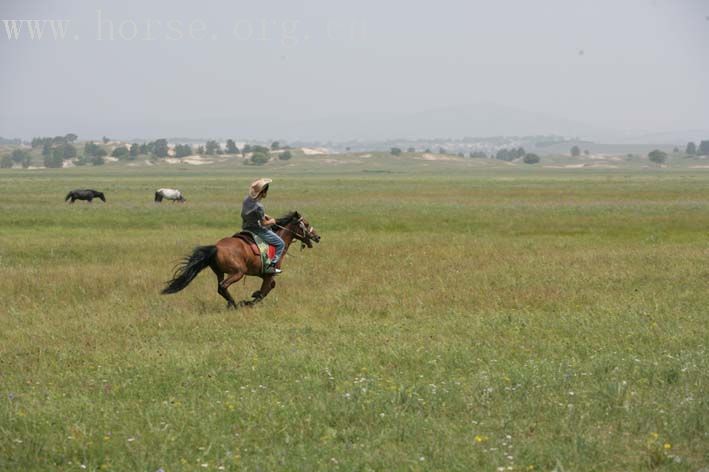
(266, 287)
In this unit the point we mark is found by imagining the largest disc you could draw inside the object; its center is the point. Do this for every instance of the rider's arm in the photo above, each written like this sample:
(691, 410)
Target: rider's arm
(268, 221)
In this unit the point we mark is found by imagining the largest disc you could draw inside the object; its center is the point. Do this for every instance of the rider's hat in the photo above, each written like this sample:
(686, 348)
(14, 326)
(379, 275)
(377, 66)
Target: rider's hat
(258, 186)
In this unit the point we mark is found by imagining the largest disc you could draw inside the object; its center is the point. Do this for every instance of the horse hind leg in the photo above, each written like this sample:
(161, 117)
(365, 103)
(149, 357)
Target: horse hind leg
(223, 286)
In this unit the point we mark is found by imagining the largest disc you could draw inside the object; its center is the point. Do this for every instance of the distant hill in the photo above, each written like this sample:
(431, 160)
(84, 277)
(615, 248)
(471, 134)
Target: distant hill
(482, 119)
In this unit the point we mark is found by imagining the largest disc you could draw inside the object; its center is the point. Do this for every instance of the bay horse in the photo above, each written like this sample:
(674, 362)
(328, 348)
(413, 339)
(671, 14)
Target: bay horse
(232, 257)
(169, 194)
(84, 194)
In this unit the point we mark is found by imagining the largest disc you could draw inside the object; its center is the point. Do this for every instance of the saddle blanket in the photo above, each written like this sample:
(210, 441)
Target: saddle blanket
(258, 247)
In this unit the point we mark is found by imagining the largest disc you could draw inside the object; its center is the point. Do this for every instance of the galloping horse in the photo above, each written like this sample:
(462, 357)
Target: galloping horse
(169, 194)
(84, 194)
(233, 257)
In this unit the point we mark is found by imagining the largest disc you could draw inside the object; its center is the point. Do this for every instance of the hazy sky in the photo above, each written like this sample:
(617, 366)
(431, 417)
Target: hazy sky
(330, 69)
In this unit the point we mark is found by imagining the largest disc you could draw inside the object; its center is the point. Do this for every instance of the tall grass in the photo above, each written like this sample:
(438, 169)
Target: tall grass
(448, 321)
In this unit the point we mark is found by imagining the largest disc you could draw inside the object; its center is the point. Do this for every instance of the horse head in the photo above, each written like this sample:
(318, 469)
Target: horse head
(300, 228)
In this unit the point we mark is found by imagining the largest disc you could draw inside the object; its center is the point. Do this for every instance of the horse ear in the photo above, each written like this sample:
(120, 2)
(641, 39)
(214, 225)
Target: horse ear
(296, 215)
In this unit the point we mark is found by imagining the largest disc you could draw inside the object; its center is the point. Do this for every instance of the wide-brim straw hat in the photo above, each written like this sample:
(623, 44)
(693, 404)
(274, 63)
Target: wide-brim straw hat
(257, 187)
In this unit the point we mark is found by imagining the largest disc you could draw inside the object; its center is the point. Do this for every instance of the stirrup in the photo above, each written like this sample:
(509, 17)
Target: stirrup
(272, 270)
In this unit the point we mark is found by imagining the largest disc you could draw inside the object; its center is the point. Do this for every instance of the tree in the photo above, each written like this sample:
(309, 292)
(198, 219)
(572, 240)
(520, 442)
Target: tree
(246, 149)
(703, 149)
(259, 158)
(71, 137)
(442, 150)
(160, 147)
(121, 152)
(285, 155)
(6, 162)
(105, 140)
(94, 150)
(575, 151)
(259, 148)
(68, 150)
(55, 159)
(21, 157)
(395, 151)
(183, 150)
(586, 152)
(98, 160)
(143, 149)
(231, 147)
(691, 149)
(200, 150)
(411, 149)
(506, 155)
(657, 156)
(675, 150)
(134, 150)
(212, 147)
(530, 158)
(275, 146)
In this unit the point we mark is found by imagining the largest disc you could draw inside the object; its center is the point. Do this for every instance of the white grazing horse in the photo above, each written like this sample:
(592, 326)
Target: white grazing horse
(170, 194)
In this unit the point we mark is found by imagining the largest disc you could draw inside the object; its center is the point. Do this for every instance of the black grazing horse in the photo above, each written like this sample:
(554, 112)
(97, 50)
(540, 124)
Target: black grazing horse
(84, 194)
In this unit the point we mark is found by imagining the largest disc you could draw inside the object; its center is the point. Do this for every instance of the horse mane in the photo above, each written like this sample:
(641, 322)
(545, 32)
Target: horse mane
(288, 218)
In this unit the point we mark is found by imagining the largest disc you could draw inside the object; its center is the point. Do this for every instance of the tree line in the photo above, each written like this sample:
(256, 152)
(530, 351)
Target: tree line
(55, 150)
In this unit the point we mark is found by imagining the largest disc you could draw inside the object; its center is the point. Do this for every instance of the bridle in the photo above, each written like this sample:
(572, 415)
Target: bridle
(305, 235)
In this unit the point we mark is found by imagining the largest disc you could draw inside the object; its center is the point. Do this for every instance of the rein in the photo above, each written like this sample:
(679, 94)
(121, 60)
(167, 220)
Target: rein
(304, 236)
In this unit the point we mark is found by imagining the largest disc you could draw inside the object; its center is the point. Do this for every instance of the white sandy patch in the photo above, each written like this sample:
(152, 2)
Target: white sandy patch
(437, 157)
(699, 167)
(197, 160)
(192, 160)
(366, 155)
(111, 159)
(315, 151)
(66, 164)
(35, 167)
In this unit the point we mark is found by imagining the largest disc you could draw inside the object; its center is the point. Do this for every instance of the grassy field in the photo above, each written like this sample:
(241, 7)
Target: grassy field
(453, 317)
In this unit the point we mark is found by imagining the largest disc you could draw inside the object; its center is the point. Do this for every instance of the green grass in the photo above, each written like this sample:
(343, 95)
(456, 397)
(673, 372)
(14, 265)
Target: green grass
(453, 317)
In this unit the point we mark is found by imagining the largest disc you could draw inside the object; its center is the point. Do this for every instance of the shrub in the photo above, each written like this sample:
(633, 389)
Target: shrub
(531, 158)
(395, 151)
(258, 159)
(6, 162)
(285, 155)
(98, 160)
(120, 152)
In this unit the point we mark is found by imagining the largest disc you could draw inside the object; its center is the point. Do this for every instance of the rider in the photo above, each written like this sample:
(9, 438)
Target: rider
(255, 220)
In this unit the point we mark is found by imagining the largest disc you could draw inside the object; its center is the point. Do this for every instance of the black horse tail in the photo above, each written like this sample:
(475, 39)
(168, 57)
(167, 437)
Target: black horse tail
(188, 269)
(68, 196)
(158, 197)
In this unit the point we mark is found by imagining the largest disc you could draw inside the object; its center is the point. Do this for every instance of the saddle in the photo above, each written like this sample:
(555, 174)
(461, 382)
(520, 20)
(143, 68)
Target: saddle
(258, 247)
